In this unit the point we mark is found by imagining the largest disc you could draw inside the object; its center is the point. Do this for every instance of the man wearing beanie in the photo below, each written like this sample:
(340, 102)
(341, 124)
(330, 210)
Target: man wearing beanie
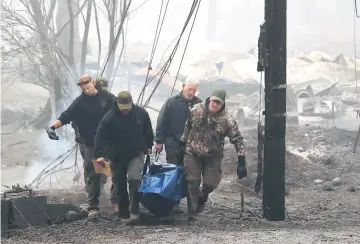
(203, 143)
(125, 136)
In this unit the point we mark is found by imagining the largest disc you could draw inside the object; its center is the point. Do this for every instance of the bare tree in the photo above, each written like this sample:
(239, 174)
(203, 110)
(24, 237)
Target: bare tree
(50, 52)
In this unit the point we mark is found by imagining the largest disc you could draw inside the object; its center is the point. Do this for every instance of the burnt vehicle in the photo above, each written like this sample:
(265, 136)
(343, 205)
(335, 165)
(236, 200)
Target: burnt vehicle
(247, 113)
(320, 104)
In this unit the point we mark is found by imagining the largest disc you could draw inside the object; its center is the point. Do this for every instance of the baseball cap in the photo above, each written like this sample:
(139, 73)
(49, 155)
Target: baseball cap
(101, 81)
(124, 100)
(218, 95)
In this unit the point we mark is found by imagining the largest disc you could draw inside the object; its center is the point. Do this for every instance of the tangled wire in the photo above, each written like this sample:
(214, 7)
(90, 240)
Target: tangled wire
(56, 166)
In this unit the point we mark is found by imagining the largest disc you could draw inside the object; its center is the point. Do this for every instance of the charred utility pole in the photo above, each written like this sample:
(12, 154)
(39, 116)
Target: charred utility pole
(275, 110)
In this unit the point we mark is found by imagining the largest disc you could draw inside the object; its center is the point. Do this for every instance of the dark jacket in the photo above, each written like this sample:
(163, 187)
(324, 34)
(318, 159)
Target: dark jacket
(172, 118)
(121, 137)
(87, 112)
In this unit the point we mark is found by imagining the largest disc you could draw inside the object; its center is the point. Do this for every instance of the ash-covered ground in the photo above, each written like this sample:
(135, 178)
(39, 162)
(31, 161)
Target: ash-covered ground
(323, 202)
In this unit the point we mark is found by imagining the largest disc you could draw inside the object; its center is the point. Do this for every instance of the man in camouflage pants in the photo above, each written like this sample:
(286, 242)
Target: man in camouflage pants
(203, 143)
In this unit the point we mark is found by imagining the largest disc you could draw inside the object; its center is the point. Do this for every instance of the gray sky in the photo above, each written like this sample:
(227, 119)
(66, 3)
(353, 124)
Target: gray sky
(312, 24)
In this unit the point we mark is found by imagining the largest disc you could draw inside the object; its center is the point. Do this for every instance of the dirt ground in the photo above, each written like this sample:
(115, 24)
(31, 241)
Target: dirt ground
(322, 179)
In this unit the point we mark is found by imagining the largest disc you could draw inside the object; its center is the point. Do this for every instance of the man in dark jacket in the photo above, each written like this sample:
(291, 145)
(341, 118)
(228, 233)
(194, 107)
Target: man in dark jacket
(102, 82)
(172, 118)
(86, 111)
(125, 136)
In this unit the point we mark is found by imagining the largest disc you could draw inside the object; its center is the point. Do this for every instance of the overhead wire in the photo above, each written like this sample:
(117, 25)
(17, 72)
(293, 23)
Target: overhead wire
(167, 64)
(123, 17)
(179, 38)
(156, 40)
(164, 67)
(187, 42)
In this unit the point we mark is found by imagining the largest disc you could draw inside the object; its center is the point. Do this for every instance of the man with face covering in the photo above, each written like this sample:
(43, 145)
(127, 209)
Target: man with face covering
(172, 118)
(86, 111)
(125, 136)
(205, 130)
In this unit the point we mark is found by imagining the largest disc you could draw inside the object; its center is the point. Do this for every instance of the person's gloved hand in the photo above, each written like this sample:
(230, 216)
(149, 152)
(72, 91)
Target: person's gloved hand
(51, 133)
(241, 168)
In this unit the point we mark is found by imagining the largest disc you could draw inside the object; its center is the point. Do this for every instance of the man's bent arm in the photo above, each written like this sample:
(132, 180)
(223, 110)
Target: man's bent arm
(149, 134)
(101, 141)
(66, 117)
(235, 137)
(162, 123)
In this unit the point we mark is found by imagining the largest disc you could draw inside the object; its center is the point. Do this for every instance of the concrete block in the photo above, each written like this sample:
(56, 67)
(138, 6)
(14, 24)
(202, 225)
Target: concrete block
(5, 214)
(34, 204)
(26, 210)
(5, 206)
(26, 218)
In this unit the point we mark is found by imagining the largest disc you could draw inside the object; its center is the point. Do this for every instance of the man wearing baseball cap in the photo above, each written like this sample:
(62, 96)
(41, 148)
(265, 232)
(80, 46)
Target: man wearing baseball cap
(86, 112)
(203, 143)
(102, 82)
(125, 136)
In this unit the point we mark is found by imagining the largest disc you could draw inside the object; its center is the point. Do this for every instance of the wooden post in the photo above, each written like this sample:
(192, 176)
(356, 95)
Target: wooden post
(275, 111)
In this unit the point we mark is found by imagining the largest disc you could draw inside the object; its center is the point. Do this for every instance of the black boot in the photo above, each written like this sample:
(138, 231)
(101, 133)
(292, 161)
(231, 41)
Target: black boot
(193, 198)
(134, 203)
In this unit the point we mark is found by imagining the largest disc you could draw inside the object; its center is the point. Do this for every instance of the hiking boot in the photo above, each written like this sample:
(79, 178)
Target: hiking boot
(134, 219)
(93, 213)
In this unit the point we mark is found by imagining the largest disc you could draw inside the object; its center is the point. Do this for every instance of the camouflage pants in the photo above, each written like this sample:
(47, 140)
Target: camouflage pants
(124, 173)
(103, 178)
(207, 168)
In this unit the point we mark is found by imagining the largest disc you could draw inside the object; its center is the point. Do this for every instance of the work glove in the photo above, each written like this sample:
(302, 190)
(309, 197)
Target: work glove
(241, 168)
(51, 133)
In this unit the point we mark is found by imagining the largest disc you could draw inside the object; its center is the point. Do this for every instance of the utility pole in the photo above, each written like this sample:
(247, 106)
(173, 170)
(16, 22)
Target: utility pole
(275, 111)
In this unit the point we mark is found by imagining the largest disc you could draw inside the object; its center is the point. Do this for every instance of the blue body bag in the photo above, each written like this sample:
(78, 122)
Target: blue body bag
(161, 187)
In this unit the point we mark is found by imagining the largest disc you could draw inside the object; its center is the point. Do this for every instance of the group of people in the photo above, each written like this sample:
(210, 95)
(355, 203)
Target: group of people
(114, 129)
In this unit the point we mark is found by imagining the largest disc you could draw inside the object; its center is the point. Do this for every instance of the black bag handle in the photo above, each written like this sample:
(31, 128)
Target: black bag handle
(147, 164)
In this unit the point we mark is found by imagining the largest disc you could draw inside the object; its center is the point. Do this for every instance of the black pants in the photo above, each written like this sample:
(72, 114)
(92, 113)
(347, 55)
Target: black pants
(124, 173)
(171, 154)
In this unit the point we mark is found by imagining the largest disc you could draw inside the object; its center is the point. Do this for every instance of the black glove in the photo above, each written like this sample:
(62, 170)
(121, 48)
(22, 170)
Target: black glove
(51, 133)
(241, 168)
(181, 153)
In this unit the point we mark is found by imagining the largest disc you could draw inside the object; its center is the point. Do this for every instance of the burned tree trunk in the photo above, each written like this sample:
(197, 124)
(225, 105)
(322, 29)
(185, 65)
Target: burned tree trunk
(85, 37)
